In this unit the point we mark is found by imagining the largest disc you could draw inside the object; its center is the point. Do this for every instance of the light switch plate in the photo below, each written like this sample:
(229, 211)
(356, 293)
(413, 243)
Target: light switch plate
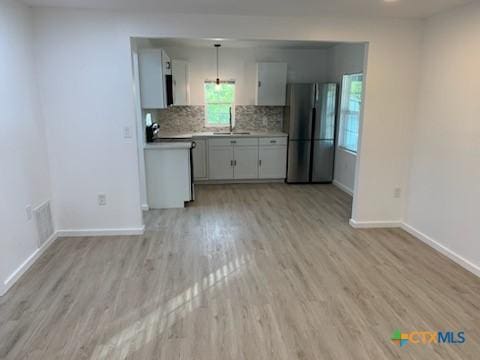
(28, 212)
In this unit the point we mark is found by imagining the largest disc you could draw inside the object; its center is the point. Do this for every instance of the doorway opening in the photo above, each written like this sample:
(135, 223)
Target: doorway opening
(249, 68)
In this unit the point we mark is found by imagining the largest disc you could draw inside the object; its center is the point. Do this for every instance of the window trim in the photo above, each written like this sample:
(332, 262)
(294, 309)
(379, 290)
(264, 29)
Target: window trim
(206, 123)
(341, 132)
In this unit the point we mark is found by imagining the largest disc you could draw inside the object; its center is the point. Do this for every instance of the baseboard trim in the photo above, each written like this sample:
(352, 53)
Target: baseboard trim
(101, 232)
(17, 274)
(145, 207)
(343, 187)
(460, 260)
(251, 181)
(374, 224)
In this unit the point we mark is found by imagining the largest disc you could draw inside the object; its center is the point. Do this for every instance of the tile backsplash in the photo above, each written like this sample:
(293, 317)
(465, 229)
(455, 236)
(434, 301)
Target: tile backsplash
(184, 119)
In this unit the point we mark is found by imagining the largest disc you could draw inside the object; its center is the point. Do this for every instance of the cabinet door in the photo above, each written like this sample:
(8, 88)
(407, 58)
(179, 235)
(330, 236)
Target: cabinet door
(180, 82)
(220, 160)
(272, 162)
(152, 83)
(199, 155)
(246, 162)
(271, 84)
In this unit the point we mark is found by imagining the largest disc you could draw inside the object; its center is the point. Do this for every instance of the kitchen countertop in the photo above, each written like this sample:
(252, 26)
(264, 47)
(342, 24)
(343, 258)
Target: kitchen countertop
(212, 134)
(168, 145)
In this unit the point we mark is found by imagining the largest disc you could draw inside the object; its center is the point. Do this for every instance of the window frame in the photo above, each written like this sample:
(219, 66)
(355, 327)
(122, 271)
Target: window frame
(343, 98)
(232, 104)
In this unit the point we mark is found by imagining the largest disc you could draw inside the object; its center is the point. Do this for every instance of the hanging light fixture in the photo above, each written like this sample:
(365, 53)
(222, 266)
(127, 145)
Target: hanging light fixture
(217, 81)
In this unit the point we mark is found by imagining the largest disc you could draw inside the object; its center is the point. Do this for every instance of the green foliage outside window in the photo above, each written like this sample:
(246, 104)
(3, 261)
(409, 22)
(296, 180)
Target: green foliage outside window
(218, 101)
(352, 87)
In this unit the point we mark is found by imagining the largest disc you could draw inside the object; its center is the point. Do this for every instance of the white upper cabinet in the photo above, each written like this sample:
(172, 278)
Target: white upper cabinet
(167, 64)
(154, 65)
(181, 88)
(271, 84)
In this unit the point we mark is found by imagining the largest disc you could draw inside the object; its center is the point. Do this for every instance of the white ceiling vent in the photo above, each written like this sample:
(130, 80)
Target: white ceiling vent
(43, 218)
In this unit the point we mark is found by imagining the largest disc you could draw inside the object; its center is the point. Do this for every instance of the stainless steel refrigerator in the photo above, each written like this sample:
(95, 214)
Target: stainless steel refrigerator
(310, 123)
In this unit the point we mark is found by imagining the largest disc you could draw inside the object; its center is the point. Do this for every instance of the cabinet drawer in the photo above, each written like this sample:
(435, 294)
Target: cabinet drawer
(273, 141)
(233, 141)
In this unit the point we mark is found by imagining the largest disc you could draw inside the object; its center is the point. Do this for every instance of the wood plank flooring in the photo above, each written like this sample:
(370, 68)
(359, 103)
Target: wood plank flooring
(246, 272)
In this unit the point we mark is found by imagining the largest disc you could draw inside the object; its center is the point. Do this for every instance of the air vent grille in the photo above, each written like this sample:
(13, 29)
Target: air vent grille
(43, 218)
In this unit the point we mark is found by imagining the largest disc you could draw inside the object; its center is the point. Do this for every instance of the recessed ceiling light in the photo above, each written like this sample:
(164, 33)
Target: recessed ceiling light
(390, 1)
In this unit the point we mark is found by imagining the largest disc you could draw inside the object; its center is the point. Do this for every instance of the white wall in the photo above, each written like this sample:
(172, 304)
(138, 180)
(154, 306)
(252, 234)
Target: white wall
(444, 184)
(86, 88)
(24, 178)
(240, 64)
(345, 59)
(85, 83)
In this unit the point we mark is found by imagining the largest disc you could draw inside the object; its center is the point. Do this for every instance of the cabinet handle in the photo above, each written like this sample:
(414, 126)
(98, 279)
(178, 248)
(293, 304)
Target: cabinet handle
(259, 84)
(234, 162)
(273, 141)
(259, 162)
(231, 162)
(233, 142)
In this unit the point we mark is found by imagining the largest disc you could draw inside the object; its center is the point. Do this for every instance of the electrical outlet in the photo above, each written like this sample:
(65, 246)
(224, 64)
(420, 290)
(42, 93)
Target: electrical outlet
(127, 132)
(102, 200)
(397, 192)
(28, 212)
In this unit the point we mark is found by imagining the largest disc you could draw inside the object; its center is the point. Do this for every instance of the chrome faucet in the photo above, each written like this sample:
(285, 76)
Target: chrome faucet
(230, 119)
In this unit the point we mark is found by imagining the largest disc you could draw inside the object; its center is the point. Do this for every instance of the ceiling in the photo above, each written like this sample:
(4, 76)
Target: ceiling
(231, 43)
(373, 8)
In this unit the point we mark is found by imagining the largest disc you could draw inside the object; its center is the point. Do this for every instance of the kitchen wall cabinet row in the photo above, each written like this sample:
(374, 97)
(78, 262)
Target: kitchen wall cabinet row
(240, 158)
(165, 82)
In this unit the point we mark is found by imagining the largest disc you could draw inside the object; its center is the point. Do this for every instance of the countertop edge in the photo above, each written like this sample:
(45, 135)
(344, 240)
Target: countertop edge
(211, 135)
(168, 146)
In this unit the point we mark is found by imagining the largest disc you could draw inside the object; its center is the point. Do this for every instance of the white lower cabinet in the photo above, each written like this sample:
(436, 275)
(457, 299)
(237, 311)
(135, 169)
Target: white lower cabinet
(220, 159)
(245, 162)
(199, 155)
(241, 159)
(272, 162)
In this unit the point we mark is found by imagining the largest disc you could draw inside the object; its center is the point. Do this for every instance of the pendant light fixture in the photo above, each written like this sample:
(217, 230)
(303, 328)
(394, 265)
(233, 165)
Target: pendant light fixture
(217, 81)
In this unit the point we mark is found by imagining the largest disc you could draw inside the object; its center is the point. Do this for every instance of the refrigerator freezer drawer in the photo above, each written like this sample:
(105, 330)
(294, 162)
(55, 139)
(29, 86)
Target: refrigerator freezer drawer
(298, 161)
(322, 163)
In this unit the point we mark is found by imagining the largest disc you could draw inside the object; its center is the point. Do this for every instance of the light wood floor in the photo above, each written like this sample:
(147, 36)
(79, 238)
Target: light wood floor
(247, 272)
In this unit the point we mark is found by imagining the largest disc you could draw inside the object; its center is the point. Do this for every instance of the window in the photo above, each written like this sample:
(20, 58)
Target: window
(351, 104)
(219, 99)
